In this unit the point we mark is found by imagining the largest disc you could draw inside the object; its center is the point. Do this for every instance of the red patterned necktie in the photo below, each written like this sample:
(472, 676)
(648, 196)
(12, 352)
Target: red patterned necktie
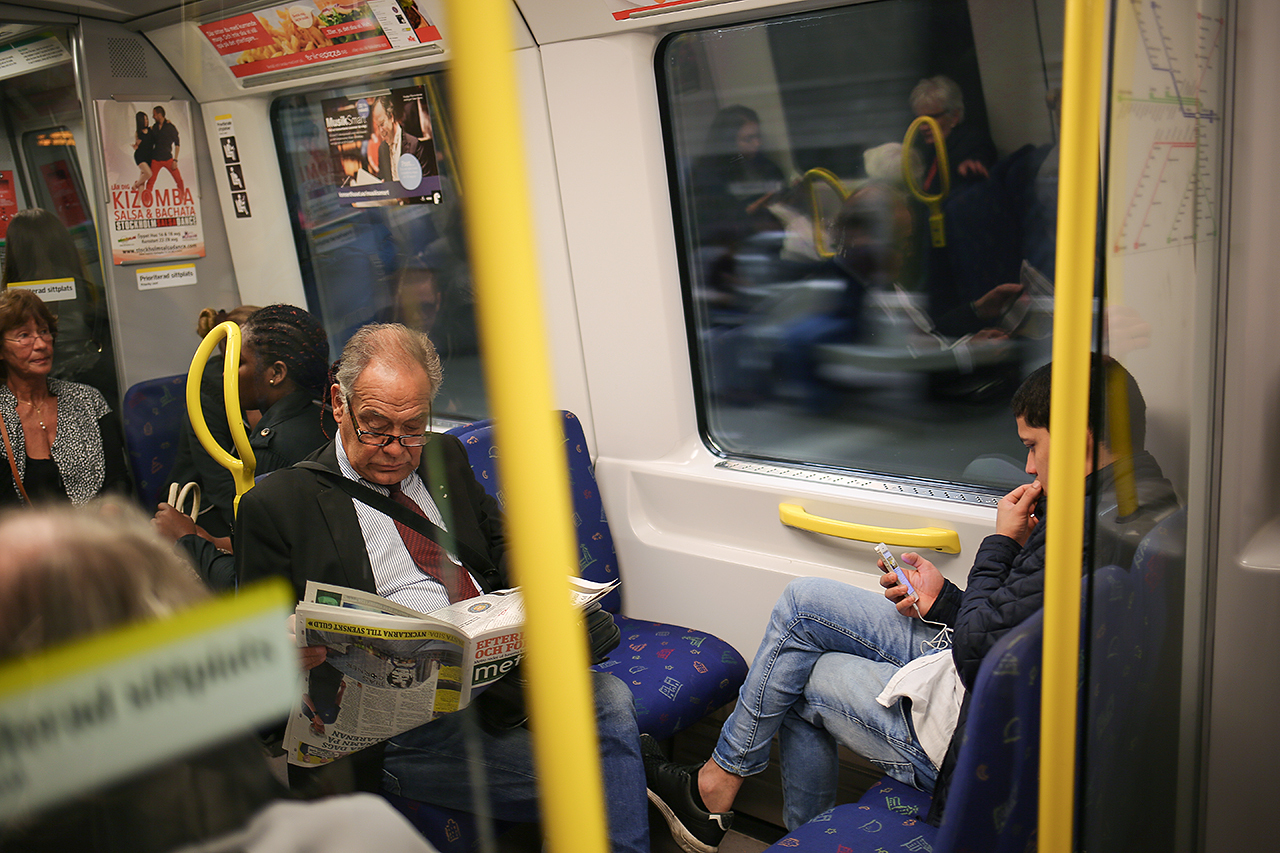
(430, 557)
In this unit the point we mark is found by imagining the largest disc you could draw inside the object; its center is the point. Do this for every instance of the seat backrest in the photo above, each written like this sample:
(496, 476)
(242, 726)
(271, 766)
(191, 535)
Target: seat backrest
(1133, 678)
(991, 804)
(153, 413)
(993, 801)
(596, 558)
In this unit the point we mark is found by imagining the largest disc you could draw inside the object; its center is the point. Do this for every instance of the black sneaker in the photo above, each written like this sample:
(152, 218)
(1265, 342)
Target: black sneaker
(673, 788)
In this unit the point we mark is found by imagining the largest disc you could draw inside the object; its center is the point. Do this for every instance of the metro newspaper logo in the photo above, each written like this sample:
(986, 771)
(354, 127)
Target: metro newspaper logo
(99, 709)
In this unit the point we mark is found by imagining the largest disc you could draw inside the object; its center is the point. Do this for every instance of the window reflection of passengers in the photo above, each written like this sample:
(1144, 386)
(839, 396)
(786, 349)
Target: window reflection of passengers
(732, 183)
(992, 227)
(427, 297)
(871, 229)
(39, 246)
(970, 151)
(419, 297)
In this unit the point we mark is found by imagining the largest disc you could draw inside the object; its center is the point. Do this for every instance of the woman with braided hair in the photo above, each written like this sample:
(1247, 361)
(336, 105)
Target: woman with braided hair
(284, 360)
(284, 363)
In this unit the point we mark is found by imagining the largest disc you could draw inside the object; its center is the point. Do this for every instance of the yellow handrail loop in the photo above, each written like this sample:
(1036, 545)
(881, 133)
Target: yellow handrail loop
(241, 469)
(936, 230)
(808, 180)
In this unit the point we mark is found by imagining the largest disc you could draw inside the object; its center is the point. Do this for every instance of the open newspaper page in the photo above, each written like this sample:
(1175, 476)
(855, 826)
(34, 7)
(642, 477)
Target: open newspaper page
(390, 668)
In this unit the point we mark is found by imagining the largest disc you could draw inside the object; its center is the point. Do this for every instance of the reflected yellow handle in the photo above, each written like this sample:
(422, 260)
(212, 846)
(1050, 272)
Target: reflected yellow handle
(937, 538)
(811, 177)
(936, 230)
(241, 469)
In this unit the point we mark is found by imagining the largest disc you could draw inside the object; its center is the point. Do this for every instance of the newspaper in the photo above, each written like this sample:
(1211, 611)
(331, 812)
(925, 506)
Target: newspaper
(389, 668)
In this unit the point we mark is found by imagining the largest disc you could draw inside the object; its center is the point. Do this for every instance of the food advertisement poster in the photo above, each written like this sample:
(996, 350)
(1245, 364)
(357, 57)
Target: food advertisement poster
(307, 32)
(381, 148)
(152, 181)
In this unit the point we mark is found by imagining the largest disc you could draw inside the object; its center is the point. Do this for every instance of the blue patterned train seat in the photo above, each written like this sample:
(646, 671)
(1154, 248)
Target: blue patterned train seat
(448, 830)
(678, 675)
(153, 414)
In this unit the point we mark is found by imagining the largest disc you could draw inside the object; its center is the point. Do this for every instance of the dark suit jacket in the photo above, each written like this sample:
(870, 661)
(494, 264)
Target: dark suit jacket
(420, 149)
(297, 525)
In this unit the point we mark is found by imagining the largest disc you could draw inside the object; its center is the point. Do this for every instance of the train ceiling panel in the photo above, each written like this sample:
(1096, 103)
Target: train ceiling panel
(121, 12)
(564, 20)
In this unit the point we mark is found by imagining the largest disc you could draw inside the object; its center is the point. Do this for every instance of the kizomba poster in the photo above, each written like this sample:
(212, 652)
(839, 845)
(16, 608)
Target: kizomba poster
(152, 181)
(381, 149)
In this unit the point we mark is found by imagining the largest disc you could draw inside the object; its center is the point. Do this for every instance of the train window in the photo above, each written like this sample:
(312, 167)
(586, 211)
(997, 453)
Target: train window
(40, 167)
(372, 189)
(849, 306)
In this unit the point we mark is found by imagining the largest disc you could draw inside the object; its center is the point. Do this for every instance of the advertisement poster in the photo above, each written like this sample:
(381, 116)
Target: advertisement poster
(380, 148)
(61, 184)
(8, 201)
(151, 181)
(307, 32)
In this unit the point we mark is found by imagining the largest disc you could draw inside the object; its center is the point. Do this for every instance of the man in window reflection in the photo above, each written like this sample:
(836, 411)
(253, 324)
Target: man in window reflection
(970, 151)
(304, 523)
(822, 674)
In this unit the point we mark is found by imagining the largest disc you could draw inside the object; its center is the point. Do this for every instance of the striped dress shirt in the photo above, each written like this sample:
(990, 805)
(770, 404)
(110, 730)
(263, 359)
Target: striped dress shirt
(395, 575)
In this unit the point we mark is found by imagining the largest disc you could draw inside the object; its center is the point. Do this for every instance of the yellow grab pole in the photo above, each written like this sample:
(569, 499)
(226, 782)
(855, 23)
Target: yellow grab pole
(1068, 416)
(517, 372)
(241, 469)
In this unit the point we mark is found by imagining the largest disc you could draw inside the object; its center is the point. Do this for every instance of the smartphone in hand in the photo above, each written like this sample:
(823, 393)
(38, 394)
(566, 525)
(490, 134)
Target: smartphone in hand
(891, 565)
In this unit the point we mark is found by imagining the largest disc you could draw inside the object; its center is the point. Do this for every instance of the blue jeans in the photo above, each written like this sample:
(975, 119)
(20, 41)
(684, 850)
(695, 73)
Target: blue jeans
(828, 651)
(439, 763)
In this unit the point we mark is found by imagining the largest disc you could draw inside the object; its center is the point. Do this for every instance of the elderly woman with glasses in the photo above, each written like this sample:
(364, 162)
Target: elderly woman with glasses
(60, 439)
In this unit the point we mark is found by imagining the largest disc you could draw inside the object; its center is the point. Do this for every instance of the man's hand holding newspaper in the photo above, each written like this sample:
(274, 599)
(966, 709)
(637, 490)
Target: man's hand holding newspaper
(377, 668)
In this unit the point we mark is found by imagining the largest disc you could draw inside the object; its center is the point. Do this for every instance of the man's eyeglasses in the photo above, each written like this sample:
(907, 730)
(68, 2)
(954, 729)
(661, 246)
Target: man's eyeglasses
(382, 439)
(28, 339)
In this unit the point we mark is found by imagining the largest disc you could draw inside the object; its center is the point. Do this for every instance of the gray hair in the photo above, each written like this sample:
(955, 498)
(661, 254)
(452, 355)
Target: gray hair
(70, 572)
(940, 90)
(391, 342)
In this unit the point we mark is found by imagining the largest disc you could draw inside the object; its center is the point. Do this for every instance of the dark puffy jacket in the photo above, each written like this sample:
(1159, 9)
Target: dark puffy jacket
(1006, 583)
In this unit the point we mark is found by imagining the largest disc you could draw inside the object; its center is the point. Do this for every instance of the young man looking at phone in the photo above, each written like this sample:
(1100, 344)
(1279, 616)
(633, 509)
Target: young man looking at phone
(840, 665)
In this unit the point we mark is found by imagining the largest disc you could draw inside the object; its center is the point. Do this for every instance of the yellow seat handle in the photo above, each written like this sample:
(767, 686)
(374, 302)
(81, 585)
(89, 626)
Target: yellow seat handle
(935, 538)
(241, 469)
(934, 201)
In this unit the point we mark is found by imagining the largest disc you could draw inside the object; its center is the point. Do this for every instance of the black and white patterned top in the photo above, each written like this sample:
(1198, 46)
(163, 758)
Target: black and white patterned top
(77, 445)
